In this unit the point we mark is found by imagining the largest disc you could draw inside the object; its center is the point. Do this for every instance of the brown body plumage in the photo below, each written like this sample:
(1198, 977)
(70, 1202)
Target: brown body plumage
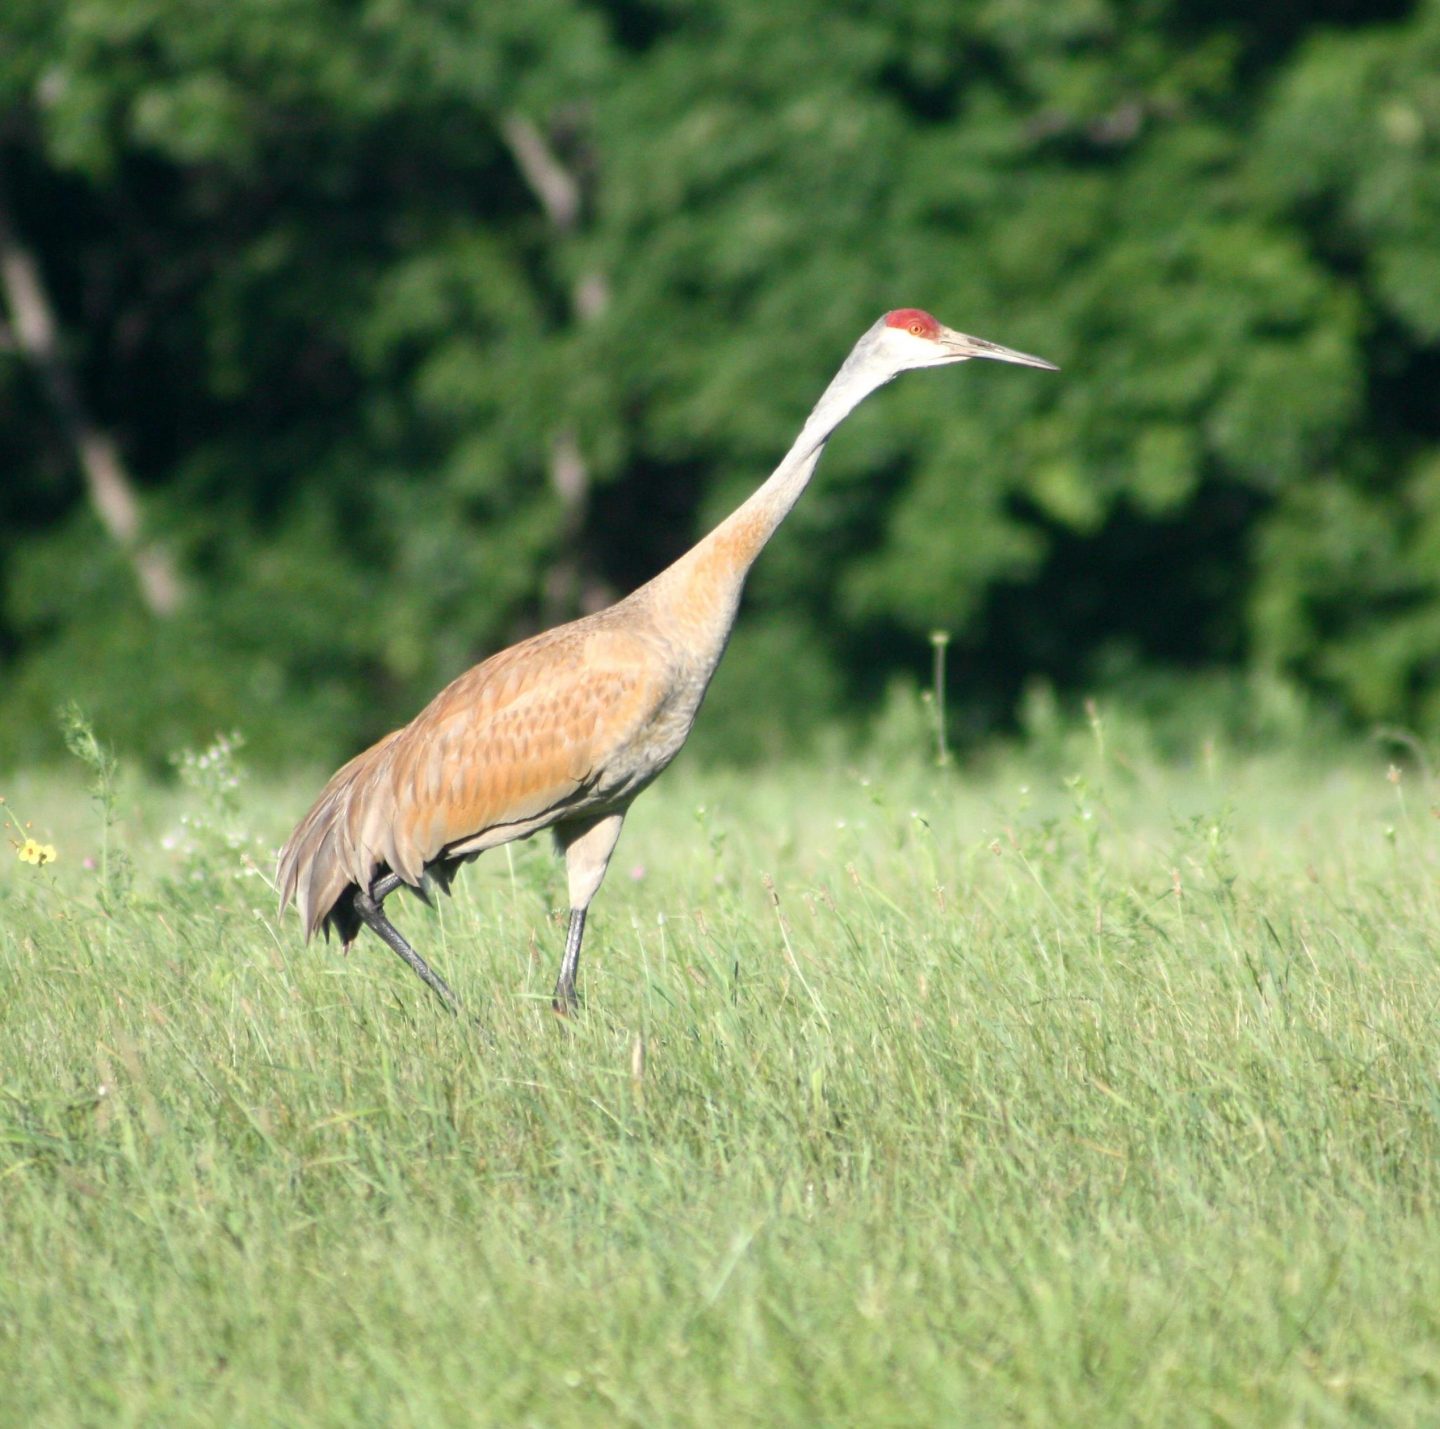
(563, 730)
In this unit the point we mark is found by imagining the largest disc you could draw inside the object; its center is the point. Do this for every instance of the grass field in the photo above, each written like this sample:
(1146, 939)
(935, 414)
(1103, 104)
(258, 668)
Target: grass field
(1063, 1087)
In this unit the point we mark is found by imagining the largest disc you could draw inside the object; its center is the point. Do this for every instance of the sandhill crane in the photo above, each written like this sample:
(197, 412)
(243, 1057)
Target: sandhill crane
(563, 730)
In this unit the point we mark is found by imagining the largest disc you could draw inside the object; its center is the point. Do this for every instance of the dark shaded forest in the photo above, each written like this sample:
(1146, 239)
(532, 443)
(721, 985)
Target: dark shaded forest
(345, 342)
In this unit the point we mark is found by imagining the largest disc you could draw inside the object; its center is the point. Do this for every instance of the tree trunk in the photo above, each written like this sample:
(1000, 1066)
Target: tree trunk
(567, 589)
(108, 486)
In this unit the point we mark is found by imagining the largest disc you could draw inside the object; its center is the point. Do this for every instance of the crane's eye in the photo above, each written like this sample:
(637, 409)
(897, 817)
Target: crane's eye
(917, 329)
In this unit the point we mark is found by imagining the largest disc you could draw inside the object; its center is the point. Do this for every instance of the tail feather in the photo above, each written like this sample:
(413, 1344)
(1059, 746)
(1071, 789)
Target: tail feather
(324, 880)
(323, 857)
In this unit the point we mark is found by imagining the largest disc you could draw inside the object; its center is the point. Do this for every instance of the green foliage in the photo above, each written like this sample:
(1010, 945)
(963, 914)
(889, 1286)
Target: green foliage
(1349, 594)
(308, 282)
(1070, 1090)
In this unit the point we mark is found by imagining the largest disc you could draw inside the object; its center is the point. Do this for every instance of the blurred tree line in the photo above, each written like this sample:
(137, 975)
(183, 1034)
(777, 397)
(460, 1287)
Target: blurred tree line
(347, 340)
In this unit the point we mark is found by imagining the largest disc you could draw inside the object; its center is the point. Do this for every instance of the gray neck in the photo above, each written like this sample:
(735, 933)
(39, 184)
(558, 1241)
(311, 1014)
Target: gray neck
(745, 532)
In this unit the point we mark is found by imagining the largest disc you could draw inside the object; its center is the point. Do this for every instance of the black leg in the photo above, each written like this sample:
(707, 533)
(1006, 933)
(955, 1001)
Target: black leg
(384, 886)
(565, 999)
(367, 905)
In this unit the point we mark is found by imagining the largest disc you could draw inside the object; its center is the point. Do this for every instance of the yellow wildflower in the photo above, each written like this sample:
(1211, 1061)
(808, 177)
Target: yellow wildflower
(37, 853)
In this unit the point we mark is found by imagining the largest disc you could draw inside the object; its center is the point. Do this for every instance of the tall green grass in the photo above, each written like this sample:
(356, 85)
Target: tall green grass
(1066, 1087)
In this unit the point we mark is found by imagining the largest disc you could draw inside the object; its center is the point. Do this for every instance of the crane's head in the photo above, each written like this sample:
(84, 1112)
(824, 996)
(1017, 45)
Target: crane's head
(910, 337)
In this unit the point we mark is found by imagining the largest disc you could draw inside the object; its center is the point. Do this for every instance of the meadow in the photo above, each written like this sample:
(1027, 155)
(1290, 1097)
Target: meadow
(1066, 1085)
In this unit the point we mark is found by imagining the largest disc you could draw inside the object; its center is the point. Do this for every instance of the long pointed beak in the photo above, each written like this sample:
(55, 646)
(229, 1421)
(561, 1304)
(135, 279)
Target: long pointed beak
(961, 346)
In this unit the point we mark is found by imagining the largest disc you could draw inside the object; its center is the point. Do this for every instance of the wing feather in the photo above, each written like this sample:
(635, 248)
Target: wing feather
(512, 745)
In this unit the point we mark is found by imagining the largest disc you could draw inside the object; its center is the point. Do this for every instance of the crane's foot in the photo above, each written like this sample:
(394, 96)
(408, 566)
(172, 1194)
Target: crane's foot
(565, 1002)
(367, 906)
